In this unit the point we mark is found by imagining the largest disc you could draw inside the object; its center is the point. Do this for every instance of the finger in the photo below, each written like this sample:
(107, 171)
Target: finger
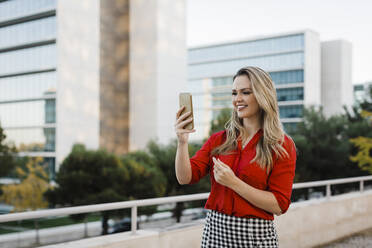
(217, 161)
(184, 115)
(182, 124)
(180, 111)
(222, 163)
(214, 160)
(181, 131)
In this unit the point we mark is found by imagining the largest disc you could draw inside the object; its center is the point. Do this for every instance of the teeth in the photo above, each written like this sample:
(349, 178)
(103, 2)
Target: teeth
(240, 107)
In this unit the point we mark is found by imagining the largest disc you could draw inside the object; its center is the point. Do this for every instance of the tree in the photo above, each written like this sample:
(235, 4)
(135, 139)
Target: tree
(218, 124)
(92, 177)
(323, 146)
(164, 157)
(29, 193)
(364, 144)
(146, 180)
(7, 155)
(363, 157)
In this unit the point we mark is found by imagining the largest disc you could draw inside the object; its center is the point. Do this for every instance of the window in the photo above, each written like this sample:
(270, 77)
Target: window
(32, 139)
(28, 86)
(288, 77)
(294, 111)
(29, 59)
(291, 94)
(28, 32)
(18, 8)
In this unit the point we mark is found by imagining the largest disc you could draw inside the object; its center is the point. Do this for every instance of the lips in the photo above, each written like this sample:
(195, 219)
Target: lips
(241, 107)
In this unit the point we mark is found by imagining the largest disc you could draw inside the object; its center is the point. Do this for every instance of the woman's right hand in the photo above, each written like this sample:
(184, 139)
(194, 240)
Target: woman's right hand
(181, 122)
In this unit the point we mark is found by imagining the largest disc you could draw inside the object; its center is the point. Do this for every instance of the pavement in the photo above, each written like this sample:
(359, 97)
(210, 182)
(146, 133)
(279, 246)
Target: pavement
(359, 240)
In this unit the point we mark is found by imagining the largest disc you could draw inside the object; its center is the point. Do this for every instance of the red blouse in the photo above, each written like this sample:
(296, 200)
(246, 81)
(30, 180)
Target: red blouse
(223, 199)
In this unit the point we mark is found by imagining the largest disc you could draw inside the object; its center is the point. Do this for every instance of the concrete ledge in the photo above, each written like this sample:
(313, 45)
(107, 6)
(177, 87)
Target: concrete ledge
(306, 224)
(316, 222)
(179, 236)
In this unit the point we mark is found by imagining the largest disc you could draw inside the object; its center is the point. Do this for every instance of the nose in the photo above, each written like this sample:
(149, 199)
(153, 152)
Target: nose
(238, 97)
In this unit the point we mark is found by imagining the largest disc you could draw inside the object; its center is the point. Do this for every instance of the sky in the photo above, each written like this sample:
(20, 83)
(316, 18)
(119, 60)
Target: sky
(211, 21)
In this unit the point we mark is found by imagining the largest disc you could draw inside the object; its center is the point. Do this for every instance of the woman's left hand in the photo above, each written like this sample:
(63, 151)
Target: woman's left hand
(223, 174)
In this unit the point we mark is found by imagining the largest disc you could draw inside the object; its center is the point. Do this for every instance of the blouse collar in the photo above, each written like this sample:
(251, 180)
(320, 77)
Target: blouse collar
(252, 143)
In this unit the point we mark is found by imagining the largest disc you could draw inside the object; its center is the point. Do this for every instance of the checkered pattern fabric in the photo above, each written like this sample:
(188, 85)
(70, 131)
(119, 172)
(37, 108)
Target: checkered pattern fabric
(225, 231)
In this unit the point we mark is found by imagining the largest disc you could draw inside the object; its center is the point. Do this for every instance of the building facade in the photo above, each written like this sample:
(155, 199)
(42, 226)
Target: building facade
(93, 72)
(298, 63)
(292, 59)
(362, 92)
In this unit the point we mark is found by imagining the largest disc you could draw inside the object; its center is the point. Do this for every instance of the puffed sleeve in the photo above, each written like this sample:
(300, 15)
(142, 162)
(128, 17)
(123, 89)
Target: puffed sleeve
(201, 160)
(280, 181)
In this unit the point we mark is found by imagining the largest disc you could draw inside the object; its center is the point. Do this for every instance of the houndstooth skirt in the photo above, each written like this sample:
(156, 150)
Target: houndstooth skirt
(225, 231)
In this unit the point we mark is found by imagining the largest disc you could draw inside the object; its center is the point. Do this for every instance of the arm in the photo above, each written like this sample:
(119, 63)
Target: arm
(259, 198)
(183, 166)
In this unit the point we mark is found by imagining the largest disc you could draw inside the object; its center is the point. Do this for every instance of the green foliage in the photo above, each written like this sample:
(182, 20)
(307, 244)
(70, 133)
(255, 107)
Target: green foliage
(28, 195)
(164, 159)
(363, 157)
(7, 156)
(219, 123)
(146, 180)
(324, 148)
(90, 177)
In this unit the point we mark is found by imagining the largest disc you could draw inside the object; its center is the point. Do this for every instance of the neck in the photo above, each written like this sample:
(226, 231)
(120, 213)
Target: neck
(251, 125)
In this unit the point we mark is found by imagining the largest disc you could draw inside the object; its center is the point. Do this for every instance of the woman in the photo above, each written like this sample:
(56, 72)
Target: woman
(251, 165)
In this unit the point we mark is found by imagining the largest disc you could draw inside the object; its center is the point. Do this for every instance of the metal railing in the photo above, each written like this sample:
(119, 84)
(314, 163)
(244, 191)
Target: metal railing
(157, 201)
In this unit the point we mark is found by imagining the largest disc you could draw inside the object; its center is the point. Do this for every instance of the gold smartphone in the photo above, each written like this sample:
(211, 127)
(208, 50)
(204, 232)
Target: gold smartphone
(186, 100)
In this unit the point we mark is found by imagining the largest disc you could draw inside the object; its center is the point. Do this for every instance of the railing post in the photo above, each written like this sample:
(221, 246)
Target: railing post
(361, 186)
(85, 227)
(328, 191)
(134, 220)
(37, 232)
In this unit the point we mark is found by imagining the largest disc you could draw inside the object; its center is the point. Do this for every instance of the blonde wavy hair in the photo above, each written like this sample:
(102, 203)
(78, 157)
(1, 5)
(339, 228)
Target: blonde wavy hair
(273, 133)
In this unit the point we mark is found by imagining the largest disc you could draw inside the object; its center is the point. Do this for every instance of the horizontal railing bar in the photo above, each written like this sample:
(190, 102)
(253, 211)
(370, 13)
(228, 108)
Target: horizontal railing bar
(148, 202)
(332, 181)
(99, 207)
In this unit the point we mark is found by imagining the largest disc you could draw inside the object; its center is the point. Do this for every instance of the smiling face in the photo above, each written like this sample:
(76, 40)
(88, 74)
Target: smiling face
(243, 99)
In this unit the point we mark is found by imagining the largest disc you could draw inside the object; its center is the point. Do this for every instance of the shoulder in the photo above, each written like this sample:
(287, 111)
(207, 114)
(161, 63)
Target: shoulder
(290, 147)
(217, 138)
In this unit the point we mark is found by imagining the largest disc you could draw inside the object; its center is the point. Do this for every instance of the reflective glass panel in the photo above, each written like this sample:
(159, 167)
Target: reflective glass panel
(18, 8)
(28, 86)
(268, 63)
(28, 32)
(290, 94)
(31, 113)
(246, 49)
(293, 111)
(30, 59)
(287, 77)
(32, 139)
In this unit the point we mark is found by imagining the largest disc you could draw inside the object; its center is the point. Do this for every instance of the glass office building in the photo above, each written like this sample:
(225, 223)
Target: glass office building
(66, 68)
(211, 69)
(28, 77)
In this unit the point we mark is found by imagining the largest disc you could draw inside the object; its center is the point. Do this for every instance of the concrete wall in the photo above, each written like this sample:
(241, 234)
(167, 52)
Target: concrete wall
(157, 68)
(77, 104)
(337, 88)
(114, 76)
(306, 224)
(312, 84)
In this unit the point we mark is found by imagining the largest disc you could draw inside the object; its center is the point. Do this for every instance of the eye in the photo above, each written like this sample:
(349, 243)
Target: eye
(234, 93)
(247, 93)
